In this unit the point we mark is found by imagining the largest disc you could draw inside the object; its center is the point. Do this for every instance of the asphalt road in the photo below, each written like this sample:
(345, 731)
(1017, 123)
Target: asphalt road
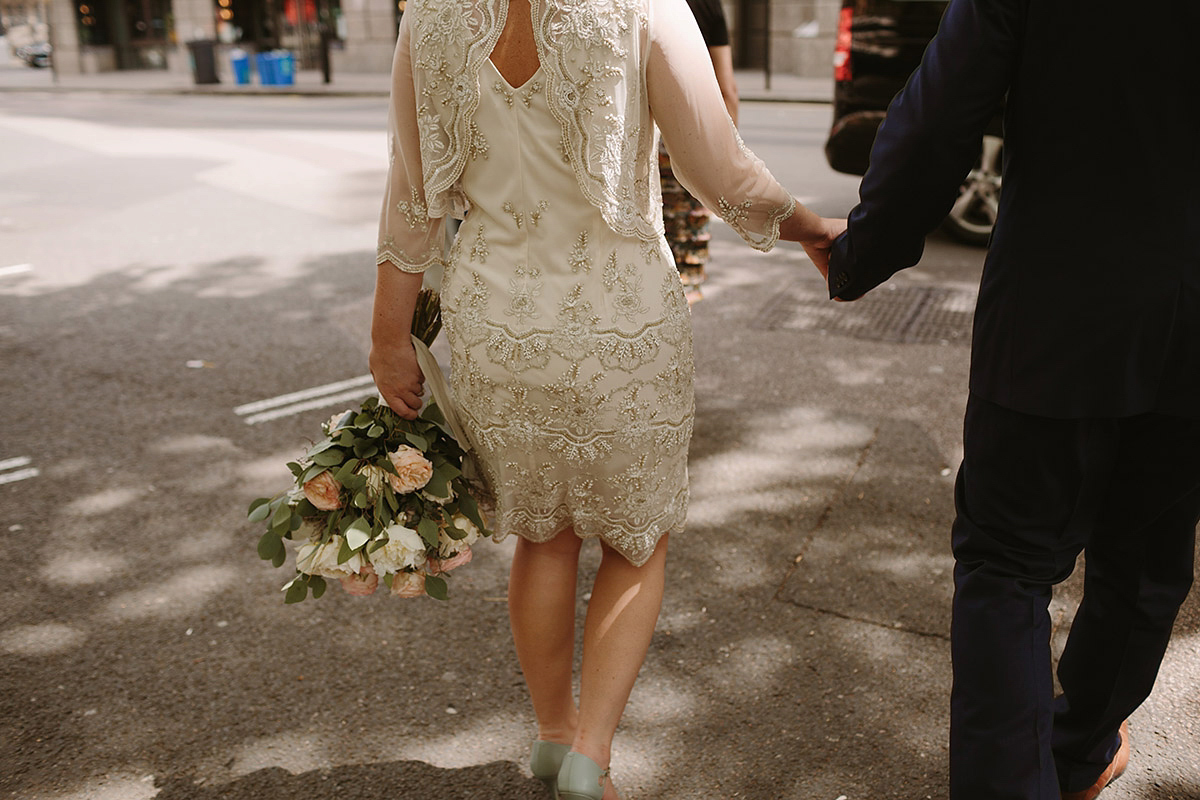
(167, 261)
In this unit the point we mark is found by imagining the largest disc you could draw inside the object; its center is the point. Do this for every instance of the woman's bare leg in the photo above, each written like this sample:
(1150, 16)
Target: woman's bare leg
(620, 623)
(541, 610)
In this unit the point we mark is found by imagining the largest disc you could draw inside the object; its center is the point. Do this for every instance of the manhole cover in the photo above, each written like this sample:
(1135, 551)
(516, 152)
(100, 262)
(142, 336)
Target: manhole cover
(908, 315)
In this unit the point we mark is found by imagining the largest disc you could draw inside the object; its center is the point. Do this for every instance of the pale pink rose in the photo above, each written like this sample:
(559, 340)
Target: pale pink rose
(463, 556)
(322, 491)
(331, 424)
(413, 468)
(362, 584)
(408, 584)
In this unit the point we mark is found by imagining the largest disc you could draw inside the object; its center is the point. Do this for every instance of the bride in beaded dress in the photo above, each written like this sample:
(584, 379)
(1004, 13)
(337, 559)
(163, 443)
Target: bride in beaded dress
(570, 339)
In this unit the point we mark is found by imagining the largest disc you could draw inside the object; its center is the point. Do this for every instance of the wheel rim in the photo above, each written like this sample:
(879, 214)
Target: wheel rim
(978, 201)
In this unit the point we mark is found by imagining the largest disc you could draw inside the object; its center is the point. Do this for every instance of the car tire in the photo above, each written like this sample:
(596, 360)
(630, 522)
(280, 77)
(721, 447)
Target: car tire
(973, 215)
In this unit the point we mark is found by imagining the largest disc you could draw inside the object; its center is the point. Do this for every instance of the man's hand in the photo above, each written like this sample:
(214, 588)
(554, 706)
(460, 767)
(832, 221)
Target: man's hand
(819, 245)
(398, 377)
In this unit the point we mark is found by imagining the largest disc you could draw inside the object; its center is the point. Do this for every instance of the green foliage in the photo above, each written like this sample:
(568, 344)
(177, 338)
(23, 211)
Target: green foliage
(436, 587)
(365, 437)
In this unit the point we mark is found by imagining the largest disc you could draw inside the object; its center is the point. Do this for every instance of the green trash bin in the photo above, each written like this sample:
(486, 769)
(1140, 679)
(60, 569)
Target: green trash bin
(204, 61)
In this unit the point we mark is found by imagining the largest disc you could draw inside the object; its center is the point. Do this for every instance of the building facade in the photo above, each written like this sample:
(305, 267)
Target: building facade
(790, 36)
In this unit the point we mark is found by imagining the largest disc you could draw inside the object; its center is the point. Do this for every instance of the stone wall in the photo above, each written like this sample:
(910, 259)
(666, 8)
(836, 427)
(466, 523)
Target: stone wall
(370, 37)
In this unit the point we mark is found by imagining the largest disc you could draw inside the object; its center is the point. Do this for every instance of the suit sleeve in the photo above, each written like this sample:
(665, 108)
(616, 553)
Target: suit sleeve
(928, 143)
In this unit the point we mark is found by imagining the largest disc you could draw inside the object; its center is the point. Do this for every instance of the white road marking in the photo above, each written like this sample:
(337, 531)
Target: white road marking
(285, 405)
(320, 402)
(15, 269)
(20, 474)
(303, 394)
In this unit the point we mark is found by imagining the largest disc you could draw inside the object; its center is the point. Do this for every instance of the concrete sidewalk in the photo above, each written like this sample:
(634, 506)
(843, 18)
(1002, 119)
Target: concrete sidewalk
(16, 77)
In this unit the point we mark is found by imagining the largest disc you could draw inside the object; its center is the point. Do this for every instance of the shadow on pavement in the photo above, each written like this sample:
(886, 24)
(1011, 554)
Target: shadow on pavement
(499, 779)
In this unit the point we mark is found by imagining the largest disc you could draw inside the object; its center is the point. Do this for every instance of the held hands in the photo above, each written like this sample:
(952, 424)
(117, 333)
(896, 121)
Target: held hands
(398, 377)
(820, 243)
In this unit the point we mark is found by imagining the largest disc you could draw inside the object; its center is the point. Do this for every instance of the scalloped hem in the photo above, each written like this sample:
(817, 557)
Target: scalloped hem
(773, 222)
(637, 556)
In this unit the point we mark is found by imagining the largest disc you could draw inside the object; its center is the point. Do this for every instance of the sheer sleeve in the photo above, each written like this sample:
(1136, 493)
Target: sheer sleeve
(408, 238)
(707, 154)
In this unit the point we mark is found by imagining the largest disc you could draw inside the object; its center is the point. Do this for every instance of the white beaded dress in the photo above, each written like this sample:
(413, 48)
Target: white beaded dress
(571, 352)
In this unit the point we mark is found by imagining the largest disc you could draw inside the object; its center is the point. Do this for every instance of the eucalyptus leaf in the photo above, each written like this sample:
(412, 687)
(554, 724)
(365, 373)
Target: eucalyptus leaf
(320, 447)
(361, 500)
(375, 431)
(436, 588)
(429, 531)
(296, 592)
(366, 450)
(259, 510)
(417, 441)
(283, 512)
(345, 470)
(310, 472)
(329, 458)
(317, 584)
(470, 510)
(296, 522)
(295, 468)
(358, 534)
(344, 552)
(269, 545)
(305, 508)
(363, 420)
(279, 558)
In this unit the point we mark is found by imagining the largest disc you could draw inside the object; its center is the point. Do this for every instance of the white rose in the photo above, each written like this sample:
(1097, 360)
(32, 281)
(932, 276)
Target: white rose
(441, 501)
(321, 559)
(405, 549)
(375, 477)
(448, 546)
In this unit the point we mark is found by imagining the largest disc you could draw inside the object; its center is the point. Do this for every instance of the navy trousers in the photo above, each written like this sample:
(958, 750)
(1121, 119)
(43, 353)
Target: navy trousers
(1032, 493)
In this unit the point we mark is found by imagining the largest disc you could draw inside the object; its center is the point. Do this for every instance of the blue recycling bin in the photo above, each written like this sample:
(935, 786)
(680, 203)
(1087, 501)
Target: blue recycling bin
(285, 68)
(241, 66)
(265, 64)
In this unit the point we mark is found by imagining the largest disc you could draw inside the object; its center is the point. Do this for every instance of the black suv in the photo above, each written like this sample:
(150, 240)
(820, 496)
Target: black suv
(879, 44)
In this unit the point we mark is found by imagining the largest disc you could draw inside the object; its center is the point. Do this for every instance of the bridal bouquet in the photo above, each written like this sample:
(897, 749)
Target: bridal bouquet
(377, 498)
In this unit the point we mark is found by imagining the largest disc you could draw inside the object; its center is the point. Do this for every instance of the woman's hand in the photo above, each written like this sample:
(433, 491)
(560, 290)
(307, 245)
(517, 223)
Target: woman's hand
(398, 377)
(819, 243)
(815, 234)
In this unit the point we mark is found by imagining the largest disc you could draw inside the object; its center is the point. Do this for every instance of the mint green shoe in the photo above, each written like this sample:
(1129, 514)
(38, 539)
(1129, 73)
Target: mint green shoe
(581, 778)
(545, 761)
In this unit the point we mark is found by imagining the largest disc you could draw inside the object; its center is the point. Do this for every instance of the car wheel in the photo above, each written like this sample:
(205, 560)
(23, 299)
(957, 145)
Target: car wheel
(974, 213)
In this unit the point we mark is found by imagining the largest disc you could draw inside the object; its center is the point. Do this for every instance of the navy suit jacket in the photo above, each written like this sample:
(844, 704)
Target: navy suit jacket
(1089, 305)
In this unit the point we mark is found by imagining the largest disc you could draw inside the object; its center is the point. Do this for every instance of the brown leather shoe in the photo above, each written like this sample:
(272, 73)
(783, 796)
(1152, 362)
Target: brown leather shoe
(1115, 769)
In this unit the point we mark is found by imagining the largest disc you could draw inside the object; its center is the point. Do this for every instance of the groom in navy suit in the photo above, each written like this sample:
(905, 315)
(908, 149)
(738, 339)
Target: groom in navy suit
(1082, 429)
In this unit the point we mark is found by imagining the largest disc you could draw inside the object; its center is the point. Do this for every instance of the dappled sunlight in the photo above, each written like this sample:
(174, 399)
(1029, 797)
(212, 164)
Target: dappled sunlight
(909, 566)
(69, 567)
(183, 592)
(44, 639)
(466, 742)
(193, 444)
(860, 371)
(106, 501)
(294, 751)
(756, 661)
(658, 700)
(266, 476)
(118, 785)
(741, 568)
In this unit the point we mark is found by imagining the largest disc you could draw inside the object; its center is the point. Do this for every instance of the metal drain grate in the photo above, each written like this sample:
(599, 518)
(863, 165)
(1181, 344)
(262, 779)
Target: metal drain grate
(907, 315)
